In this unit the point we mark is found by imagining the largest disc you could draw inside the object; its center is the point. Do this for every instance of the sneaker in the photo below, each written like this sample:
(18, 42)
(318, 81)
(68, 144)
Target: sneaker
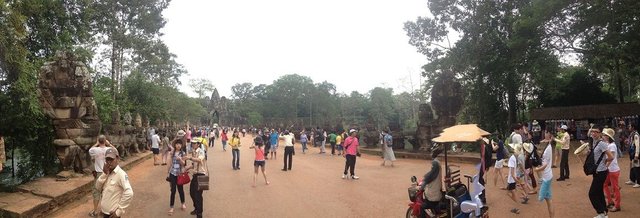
(601, 215)
(636, 186)
(344, 176)
(630, 182)
(355, 177)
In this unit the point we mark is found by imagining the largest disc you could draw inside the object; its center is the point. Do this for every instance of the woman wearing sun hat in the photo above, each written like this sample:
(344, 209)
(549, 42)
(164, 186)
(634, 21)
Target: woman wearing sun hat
(614, 172)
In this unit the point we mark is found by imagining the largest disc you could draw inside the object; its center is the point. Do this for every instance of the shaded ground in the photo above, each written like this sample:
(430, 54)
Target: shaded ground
(314, 189)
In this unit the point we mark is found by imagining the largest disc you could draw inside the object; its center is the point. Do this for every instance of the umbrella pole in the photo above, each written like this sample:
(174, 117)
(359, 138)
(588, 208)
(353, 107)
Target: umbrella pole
(446, 162)
(446, 165)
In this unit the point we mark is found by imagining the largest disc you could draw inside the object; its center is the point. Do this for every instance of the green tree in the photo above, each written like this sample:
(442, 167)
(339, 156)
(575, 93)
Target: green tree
(381, 106)
(201, 86)
(606, 34)
(122, 26)
(497, 59)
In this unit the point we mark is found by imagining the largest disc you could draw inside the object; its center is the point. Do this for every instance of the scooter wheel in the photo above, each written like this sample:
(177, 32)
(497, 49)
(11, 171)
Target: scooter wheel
(410, 213)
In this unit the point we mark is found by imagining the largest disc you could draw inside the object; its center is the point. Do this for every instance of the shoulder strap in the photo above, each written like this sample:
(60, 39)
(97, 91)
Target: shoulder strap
(601, 155)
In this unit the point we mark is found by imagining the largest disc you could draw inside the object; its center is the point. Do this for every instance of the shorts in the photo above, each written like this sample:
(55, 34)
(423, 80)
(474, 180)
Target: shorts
(511, 186)
(259, 163)
(545, 190)
(155, 150)
(97, 194)
(499, 164)
(339, 147)
(274, 148)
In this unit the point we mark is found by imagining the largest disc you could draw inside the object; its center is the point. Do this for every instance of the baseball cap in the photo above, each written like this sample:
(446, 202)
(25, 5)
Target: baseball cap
(111, 152)
(352, 131)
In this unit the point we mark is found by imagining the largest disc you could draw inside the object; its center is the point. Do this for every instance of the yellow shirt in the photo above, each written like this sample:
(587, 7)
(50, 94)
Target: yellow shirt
(339, 139)
(234, 142)
(116, 192)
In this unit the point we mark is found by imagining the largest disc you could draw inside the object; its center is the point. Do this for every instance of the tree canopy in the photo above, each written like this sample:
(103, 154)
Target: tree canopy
(507, 54)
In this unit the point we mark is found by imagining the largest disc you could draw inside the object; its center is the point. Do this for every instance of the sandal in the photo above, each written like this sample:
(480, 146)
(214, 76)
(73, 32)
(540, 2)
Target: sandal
(170, 212)
(93, 214)
(515, 210)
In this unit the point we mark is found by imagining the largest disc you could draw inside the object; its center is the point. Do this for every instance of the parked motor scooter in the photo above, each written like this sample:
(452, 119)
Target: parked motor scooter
(449, 204)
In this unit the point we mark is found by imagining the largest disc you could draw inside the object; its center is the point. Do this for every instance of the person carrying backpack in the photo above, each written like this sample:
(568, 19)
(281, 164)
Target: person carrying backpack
(601, 165)
(387, 148)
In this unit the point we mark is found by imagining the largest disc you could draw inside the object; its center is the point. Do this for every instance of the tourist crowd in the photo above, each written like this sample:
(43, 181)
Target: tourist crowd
(520, 153)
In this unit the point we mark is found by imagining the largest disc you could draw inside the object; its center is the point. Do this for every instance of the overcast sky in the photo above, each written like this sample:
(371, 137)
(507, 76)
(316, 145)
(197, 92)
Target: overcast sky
(354, 44)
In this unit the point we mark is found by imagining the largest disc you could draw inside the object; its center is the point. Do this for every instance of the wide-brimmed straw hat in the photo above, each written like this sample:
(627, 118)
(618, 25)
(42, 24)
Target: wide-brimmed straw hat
(527, 147)
(517, 148)
(609, 132)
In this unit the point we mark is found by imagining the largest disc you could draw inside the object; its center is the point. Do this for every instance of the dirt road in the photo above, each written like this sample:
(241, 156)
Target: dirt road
(314, 188)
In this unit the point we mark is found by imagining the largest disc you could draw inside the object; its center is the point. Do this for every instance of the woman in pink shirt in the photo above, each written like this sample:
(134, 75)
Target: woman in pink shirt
(351, 147)
(224, 139)
(258, 146)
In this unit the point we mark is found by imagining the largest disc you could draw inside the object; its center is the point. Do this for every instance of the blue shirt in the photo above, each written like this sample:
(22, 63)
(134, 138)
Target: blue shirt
(274, 138)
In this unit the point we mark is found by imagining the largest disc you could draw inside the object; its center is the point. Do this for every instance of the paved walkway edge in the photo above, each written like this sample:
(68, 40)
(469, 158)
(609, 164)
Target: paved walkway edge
(31, 201)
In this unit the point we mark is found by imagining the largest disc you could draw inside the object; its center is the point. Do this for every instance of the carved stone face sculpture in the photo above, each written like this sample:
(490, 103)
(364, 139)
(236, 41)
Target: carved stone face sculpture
(138, 121)
(127, 118)
(145, 121)
(115, 117)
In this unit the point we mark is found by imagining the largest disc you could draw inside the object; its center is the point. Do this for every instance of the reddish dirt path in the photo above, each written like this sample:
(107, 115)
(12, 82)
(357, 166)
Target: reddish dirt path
(314, 189)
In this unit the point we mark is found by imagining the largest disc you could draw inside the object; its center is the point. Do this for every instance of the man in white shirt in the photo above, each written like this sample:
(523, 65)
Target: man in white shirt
(155, 148)
(288, 149)
(114, 185)
(565, 146)
(97, 152)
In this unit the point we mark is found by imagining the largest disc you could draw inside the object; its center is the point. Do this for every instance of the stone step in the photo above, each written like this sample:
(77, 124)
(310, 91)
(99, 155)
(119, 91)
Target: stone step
(43, 196)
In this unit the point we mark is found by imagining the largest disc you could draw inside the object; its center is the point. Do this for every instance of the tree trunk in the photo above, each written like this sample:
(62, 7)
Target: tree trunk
(619, 82)
(114, 78)
(512, 102)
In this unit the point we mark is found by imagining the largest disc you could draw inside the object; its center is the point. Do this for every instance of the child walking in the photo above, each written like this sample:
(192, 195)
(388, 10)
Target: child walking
(260, 160)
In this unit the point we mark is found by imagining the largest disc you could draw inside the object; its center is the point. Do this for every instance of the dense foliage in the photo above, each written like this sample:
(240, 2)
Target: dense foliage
(507, 53)
(297, 99)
